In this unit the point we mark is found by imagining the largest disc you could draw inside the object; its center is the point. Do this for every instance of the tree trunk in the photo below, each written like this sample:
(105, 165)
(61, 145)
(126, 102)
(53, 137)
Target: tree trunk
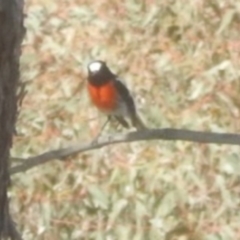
(11, 34)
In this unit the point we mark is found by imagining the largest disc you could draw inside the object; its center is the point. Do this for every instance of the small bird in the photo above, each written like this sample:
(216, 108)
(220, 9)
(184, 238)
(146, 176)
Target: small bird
(109, 94)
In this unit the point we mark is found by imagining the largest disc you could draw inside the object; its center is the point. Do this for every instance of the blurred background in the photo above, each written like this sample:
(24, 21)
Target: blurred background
(181, 61)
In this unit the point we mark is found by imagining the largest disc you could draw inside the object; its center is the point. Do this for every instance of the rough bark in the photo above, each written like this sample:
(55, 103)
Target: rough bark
(11, 34)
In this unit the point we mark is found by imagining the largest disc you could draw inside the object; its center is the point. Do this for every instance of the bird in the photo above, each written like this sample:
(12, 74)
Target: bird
(111, 96)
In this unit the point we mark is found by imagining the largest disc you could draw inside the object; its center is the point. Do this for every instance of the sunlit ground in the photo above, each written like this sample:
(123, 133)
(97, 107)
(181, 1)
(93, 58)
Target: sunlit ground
(181, 61)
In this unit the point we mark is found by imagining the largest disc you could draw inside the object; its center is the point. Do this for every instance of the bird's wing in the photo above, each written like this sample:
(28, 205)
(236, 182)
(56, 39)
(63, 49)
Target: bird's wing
(126, 96)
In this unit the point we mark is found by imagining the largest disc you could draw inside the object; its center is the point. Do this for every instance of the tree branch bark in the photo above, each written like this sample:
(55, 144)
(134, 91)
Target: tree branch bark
(145, 135)
(11, 35)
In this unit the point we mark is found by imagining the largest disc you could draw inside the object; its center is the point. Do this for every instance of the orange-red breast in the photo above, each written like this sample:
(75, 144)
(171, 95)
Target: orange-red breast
(109, 94)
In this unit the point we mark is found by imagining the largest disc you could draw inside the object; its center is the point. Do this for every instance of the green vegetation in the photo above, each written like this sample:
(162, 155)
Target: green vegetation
(181, 60)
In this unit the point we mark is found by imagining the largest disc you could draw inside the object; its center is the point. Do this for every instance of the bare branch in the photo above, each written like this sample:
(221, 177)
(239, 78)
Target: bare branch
(145, 135)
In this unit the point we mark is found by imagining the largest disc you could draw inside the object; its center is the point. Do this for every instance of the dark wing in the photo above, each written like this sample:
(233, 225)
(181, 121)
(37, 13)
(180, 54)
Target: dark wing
(126, 96)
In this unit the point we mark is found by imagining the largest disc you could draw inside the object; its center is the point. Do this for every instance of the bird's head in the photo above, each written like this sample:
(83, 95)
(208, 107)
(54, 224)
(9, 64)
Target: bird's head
(99, 73)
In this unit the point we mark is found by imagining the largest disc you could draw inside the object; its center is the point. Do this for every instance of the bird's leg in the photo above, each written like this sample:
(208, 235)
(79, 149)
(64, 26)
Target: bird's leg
(101, 130)
(122, 121)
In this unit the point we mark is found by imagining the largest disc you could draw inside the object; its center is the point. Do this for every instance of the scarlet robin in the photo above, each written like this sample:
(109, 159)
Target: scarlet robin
(109, 94)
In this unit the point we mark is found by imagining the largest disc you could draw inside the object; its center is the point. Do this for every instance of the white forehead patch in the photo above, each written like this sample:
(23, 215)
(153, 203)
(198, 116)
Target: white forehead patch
(95, 66)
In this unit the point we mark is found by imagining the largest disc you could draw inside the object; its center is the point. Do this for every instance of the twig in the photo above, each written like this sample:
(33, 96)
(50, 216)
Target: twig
(145, 135)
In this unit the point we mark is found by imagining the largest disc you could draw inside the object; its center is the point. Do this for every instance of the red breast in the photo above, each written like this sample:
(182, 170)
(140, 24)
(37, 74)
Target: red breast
(104, 97)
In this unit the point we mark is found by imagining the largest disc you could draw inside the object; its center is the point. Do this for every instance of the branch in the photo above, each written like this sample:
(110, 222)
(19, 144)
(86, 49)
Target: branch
(145, 135)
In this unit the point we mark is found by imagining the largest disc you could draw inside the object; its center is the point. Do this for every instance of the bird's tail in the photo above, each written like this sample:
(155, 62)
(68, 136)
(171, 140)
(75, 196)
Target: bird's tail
(137, 122)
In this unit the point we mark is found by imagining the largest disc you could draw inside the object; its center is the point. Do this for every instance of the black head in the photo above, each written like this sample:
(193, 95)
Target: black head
(99, 73)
